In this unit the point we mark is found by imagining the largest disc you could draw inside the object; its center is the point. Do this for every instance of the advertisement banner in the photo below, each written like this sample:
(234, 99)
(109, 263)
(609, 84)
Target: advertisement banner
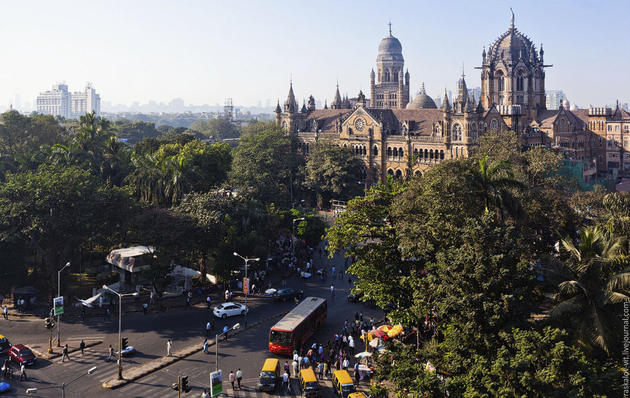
(216, 383)
(58, 305)
(245, 285)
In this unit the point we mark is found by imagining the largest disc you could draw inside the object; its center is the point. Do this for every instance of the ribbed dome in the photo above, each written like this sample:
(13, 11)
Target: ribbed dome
(422, 101)
(512, 46)
(390, 46)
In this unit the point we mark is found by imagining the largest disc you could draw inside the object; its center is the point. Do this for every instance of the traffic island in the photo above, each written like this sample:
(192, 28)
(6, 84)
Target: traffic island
(140, 371)
(42, 350)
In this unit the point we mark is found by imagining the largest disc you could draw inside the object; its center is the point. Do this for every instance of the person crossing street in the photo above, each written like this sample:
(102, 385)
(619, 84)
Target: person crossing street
(239, 377)
(65, 353)
(82, 347)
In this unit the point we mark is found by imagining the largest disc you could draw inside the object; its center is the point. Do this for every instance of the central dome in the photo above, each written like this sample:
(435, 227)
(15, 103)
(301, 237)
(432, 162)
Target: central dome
(390, 46)
(422, 101)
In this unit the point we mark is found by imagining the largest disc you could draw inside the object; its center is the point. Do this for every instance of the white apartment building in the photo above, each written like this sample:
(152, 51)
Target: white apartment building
(554, 99)
(60, 102)
(55, 102)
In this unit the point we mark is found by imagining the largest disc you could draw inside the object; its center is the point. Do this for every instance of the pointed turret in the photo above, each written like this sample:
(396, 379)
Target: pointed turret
(479, 107)
(336, 104)
(278, 109)
(290, 105)
(446, 106)
(303, 110)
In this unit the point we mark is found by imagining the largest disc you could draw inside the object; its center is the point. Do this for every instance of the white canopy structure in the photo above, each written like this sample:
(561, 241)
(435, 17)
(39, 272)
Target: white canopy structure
(126, 258)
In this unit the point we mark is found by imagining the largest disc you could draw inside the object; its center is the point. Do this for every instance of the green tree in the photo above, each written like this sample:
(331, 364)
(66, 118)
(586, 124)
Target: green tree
(265, 163)
(218, 128)
(595, 288)
(332, 172)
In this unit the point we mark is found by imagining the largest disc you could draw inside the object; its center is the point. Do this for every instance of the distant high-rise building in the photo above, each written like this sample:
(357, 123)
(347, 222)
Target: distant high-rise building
(60, 102)
(554, 98)
(55, 102)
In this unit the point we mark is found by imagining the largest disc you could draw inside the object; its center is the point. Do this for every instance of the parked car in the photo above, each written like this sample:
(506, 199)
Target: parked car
(129, 350)
(5, 346)
(355, 295)
(21, 354)
(229, 309)
(287, 294)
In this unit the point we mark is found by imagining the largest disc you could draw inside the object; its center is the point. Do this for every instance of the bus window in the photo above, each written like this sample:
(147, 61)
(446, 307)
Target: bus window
(280, 338)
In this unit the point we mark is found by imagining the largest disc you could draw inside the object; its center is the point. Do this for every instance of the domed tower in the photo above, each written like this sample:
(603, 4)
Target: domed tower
(422, 101)
(389, 88)
(513, 74)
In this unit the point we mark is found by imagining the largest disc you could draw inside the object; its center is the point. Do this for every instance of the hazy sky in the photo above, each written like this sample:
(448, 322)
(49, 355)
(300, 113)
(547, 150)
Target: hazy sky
(205, 51)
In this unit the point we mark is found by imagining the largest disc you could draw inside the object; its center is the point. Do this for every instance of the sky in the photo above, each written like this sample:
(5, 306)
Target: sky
(206, 51)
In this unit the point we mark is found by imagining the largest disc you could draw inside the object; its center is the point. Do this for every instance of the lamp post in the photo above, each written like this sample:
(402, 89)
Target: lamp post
(120, 296)
(216, 344)
(59, 295)
(292, 236)
(247, 291)
(63, 385)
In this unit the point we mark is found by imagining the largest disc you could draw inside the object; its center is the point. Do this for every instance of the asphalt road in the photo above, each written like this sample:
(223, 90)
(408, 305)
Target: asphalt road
(149, 334)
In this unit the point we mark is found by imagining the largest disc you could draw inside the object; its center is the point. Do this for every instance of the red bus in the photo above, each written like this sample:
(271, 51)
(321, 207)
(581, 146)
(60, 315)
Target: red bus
(297, 326)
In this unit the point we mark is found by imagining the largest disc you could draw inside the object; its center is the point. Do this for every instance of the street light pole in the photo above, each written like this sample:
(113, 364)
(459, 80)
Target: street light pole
(59, 295)
(247, 291)
(292, 236)
(216, 345)
(120, 296)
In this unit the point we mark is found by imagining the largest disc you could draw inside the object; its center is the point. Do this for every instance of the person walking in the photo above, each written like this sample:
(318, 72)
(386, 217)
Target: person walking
(295, 368)
(232, 379)
(286, 366)
(226, 329)
(111, 353)
(65, 353)
(300, 359)
(5, 312)
(345, 363)
(239, 377)
(145, 308)
(169, 347)
(23, 373)
(205, 346)
(320, 369)
(227, 295)
(351, 344)
(204, 394)
(208, 328)
(208, 301)
(332, 290)
(357, 376)
(327, 368)
(285, 381)
(82, 347)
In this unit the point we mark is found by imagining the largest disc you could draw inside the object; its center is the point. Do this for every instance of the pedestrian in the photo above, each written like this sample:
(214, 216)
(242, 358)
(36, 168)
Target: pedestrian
(295, 368)
(345, 364)
(23, 372)
(239, 377)
(286, 366)
(111, 353)
(320, 369)
(225, 331)
(320, 351)
(300, 361)
(169, 347)
(295, 355)
(232, 379)
(327, 367)
(356, 374)
(107, 313)
(5, 312)
(332, 290)
(188, 301)
(5, 368)
(306, 362)
(208, 301)
(205, 346)
(204, 394)
(65, 353)
(208, 327)
(145, 307)
(351, 344)
(285, 381)
(82, 347)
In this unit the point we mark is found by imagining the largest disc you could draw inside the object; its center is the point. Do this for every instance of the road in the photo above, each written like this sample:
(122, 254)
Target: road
(149, 333)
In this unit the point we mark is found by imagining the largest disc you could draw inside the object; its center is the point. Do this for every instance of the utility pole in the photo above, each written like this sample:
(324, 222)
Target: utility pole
(179, 386)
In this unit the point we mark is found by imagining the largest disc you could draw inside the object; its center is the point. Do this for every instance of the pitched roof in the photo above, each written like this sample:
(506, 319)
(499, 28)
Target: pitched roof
(326, 118)
(422, 120)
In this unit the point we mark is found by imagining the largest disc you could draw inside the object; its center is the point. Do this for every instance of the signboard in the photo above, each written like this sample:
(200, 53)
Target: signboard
(246, 285)
(58, 305)
(216, 383)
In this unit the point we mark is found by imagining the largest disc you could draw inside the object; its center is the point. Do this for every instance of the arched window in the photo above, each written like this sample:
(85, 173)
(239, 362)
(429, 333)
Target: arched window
(345, 145)
(390, 172)
(438, 130)
(426, 153)
(375, 150)
(500, 81)
(386, 75)
(395, 152)
(456, 153)
(398, 175)
(401, 153)
(473, 132)
(389, 152)
(419, 173)
(457, 132)
(519, 83)
(494, 125)
(442, 154)
(431, 154)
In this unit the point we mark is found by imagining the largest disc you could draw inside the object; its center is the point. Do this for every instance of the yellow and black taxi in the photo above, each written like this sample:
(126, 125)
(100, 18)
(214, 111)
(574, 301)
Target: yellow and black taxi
(269, 375)
(308, 383)
(343, 383)
(5, 346)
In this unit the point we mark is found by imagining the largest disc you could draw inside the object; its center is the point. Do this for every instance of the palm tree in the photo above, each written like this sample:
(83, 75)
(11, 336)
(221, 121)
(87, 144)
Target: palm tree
(594, 289)
(495, 182)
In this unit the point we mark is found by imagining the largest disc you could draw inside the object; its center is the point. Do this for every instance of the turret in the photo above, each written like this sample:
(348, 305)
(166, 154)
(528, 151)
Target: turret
(303, 110)
(311, 103)
(446, 106)
(278, 111)
(290, 105)
(336, 104)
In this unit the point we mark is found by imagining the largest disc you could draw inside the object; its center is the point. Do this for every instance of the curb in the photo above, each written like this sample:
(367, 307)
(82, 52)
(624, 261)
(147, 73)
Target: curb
(46, 355)
(163, 362)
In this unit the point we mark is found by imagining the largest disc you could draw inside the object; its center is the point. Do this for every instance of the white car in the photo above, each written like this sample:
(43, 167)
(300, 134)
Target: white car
(229, 309)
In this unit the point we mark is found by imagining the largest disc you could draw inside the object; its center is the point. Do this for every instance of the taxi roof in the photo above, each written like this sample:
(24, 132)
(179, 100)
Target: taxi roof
(270, 365)
(308, 374)
(343, 376)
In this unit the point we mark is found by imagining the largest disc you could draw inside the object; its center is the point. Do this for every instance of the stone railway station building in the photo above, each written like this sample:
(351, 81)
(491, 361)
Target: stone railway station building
(396, 136)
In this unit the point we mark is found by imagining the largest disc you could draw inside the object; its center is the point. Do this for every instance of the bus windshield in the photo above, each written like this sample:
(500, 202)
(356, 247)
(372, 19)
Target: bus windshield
(280, 338)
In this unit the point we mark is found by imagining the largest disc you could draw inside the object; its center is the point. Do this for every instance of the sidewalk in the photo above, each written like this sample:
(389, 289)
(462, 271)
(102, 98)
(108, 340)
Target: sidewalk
(41, 350)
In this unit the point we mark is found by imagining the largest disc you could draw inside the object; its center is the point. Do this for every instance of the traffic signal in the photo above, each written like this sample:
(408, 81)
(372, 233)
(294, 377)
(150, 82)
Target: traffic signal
(123, 343)
(185, 387)
(49, 323)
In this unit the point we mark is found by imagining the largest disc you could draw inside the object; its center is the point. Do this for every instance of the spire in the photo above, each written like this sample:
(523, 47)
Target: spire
(303, 110)
(290, 105)
(422, 91)
(479, 106)
(278, 109)
(511, 19)
(390, 28)
(445, 104)
(336, 104)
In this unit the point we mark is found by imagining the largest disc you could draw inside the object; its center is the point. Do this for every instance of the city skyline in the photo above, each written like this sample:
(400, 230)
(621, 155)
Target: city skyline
(130, 47)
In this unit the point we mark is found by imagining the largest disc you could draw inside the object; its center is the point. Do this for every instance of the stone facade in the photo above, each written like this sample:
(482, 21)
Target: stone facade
(397, 136)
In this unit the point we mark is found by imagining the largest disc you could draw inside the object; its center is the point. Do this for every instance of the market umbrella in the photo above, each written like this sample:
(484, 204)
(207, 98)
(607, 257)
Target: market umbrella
(384, 328)
(363, 354)
(395, 331)
(378, 333)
